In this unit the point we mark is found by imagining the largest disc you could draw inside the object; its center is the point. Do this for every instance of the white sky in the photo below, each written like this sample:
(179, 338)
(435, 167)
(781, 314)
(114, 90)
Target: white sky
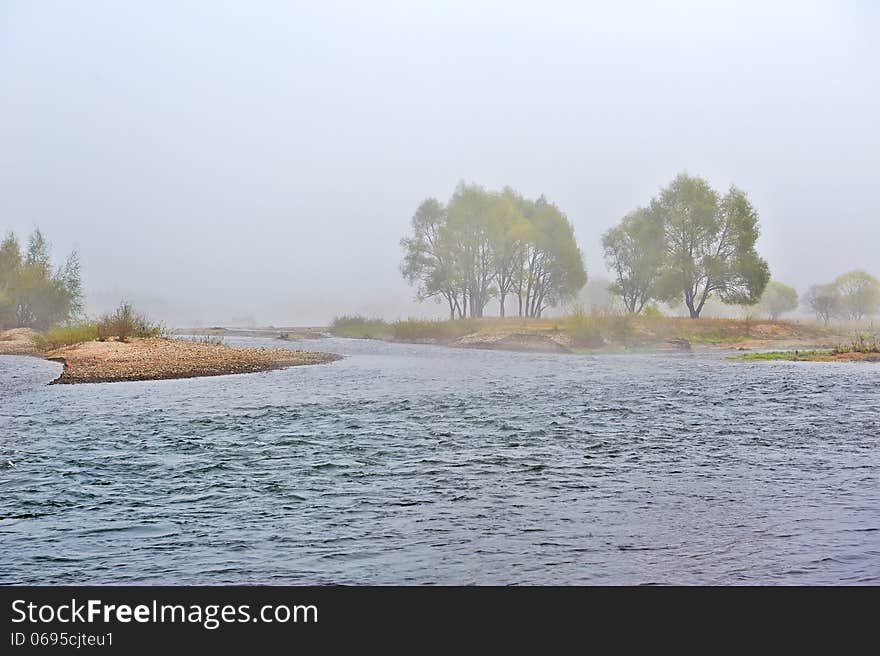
(264, 158)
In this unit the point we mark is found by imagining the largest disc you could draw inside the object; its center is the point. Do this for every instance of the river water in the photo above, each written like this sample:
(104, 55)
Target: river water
(422, 464)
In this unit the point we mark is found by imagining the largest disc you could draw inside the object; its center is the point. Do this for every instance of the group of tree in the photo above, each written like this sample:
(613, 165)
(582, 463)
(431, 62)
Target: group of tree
(853, 295)
(483, 245)
(688, 244)
(33, 292)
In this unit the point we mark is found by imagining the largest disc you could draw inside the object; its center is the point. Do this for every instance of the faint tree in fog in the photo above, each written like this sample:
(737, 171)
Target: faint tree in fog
(634, 252)
(778, 299)
(859, 294)
(824, 301)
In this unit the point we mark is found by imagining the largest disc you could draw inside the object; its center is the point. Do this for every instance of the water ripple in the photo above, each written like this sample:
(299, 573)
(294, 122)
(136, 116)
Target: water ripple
(419, 464)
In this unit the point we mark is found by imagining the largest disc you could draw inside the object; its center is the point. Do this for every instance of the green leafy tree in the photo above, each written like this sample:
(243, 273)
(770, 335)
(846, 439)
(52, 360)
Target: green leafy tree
(859, 294)
(10, 267)
(778, 299)
(469, 236)
(428, 260)
(710, 245)
(551, 266)
(824, 301)
(634, 252)
(508, 229)
(484, 245)
(32, 293)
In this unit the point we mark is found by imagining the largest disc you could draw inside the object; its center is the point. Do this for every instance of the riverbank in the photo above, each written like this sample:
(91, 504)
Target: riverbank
(157, 358)
(824, 355)
(594, 333)
(289, 334)
(18, 341)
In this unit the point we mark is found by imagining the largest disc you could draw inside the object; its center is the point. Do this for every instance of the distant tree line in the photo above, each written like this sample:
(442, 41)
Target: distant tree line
(33, 292)
(483, 245)
(853, 295)
(688, 244)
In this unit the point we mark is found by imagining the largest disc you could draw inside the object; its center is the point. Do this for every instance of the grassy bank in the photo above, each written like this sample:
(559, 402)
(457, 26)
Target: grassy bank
(589, 330)
(408, 330)
(860, 348)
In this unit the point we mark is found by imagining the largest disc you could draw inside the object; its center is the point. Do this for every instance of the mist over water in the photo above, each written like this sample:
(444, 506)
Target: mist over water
(421, 464)
(228, 162)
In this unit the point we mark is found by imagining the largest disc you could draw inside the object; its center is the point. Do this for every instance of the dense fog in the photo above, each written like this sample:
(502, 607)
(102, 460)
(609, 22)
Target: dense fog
(259, 162)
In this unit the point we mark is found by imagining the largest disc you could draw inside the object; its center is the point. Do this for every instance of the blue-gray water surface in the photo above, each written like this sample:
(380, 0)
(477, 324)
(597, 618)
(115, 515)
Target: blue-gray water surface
(422, 464)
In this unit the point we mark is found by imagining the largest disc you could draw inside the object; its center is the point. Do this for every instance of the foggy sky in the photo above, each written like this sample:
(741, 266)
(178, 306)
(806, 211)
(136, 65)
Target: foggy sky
(264, 158)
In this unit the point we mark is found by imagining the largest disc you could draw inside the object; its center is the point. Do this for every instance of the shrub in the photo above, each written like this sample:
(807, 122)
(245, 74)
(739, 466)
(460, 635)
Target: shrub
(125, 323)
(861, 343)
(584, 328)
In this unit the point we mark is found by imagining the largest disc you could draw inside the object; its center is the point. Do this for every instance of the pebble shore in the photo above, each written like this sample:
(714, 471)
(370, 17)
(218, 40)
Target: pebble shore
(164, 358)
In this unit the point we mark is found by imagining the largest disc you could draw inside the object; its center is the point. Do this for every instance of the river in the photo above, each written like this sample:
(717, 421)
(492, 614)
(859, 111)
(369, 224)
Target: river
(422, 464)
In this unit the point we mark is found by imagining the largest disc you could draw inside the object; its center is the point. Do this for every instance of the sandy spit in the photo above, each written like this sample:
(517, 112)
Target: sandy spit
(164, 358)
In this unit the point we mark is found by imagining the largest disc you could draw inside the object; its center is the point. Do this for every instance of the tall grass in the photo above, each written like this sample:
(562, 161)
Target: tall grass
(66, 335)
(595, 329)
(360, 327)
(123, 324)
(860, 343)
(415, 330)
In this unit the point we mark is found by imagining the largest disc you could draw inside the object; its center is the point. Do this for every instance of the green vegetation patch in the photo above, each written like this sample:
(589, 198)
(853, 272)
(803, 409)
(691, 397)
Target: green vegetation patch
(415, 330)
(122, 324)
(791, 356)
(359, 327)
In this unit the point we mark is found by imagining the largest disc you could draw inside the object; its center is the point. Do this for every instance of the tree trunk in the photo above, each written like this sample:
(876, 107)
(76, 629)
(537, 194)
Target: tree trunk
(689, 301)
(502, 305)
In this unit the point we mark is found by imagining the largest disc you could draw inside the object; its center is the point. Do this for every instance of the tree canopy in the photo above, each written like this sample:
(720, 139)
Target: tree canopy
(482, 245)
(691, 244)
(778, 299)
(852, 295)
(859, 293)
(33, 294)
(824, 301)
(634, 252)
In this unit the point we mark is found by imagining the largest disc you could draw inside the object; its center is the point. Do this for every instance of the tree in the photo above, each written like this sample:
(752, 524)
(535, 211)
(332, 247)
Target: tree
(32, 293)
(508, 229)
(484, 245)
(778, 298)
(634, 252)
(551, 266)
(824, 301)
(859, 294)
(710, 245)
(468, 214)
(428, 260)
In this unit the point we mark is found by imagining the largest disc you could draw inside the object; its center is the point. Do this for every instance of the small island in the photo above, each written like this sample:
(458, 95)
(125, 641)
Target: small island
(125, 346)
(160, 358)
(155, 358)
